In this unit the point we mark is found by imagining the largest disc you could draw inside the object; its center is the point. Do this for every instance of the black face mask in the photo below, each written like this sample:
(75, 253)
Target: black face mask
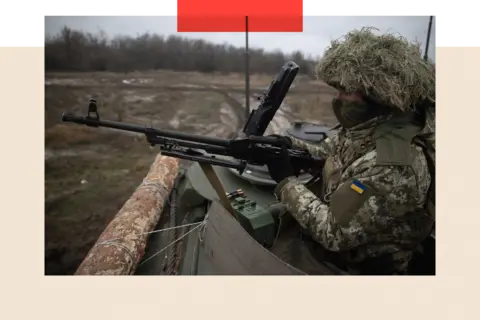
(352, 113)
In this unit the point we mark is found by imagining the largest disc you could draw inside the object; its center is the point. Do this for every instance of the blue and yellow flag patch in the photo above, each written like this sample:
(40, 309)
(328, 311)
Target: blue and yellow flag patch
(358, 187)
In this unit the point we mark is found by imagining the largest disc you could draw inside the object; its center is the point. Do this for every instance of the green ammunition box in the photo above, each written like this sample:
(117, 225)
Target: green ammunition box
(257, 221)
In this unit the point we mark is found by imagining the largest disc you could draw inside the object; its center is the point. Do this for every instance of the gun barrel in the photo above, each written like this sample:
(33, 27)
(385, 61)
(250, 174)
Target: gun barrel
(145, 130)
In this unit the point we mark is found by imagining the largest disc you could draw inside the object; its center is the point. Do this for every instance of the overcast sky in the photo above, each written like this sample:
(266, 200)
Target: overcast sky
(316, 36)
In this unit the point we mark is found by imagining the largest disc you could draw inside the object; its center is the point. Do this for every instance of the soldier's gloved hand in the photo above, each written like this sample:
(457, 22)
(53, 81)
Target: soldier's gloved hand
(281, 168)
(286, 139)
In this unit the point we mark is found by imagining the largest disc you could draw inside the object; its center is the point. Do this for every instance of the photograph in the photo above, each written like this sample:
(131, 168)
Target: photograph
(240, 153)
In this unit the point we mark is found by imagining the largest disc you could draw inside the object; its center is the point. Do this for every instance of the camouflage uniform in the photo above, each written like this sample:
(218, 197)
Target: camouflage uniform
(386, 220)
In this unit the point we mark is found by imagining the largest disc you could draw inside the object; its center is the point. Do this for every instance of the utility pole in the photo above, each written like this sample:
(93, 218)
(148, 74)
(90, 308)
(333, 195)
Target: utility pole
(425, 55)
(247, 72)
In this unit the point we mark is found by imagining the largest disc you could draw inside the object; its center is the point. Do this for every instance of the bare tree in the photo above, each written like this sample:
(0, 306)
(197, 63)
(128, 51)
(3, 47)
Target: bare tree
(73, 50)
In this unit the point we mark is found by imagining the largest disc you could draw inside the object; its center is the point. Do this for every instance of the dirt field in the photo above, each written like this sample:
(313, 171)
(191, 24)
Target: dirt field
(90, 173)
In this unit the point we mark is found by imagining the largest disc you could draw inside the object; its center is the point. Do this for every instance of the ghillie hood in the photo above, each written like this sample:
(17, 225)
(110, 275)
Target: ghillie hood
(385, 68)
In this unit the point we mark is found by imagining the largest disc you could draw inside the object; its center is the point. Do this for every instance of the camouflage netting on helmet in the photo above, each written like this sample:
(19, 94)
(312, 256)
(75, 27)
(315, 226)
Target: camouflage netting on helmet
(385, 68)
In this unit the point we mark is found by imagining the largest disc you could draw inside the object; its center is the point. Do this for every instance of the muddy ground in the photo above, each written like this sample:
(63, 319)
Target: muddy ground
(90, 173)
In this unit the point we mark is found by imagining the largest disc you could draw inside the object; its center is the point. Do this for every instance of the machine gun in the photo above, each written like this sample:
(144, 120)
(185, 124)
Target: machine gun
(254, 149)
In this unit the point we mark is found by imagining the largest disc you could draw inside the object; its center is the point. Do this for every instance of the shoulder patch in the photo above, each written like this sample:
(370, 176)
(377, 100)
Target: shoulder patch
(348, 199)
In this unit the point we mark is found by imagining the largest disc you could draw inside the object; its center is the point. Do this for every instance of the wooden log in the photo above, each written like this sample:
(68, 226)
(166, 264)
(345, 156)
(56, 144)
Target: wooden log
(122, 244)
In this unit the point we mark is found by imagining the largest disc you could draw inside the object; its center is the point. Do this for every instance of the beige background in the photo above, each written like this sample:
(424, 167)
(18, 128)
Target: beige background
(28, 294)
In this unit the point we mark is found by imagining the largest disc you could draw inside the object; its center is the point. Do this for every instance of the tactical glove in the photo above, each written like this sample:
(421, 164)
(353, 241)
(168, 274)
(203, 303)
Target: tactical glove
(281, 168)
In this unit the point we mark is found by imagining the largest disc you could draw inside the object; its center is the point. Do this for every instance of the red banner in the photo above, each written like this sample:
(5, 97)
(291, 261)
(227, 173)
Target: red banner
(229, 15)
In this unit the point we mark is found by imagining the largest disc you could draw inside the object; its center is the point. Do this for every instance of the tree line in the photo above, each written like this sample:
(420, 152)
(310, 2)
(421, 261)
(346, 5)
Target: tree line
(74, 50)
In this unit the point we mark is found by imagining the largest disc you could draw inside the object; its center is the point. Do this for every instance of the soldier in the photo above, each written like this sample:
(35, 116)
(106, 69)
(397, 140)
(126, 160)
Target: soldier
(371, 211)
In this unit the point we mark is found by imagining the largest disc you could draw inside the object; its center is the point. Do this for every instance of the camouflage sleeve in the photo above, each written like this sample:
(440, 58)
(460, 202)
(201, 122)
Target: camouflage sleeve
(321, 150)
(364, 203)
